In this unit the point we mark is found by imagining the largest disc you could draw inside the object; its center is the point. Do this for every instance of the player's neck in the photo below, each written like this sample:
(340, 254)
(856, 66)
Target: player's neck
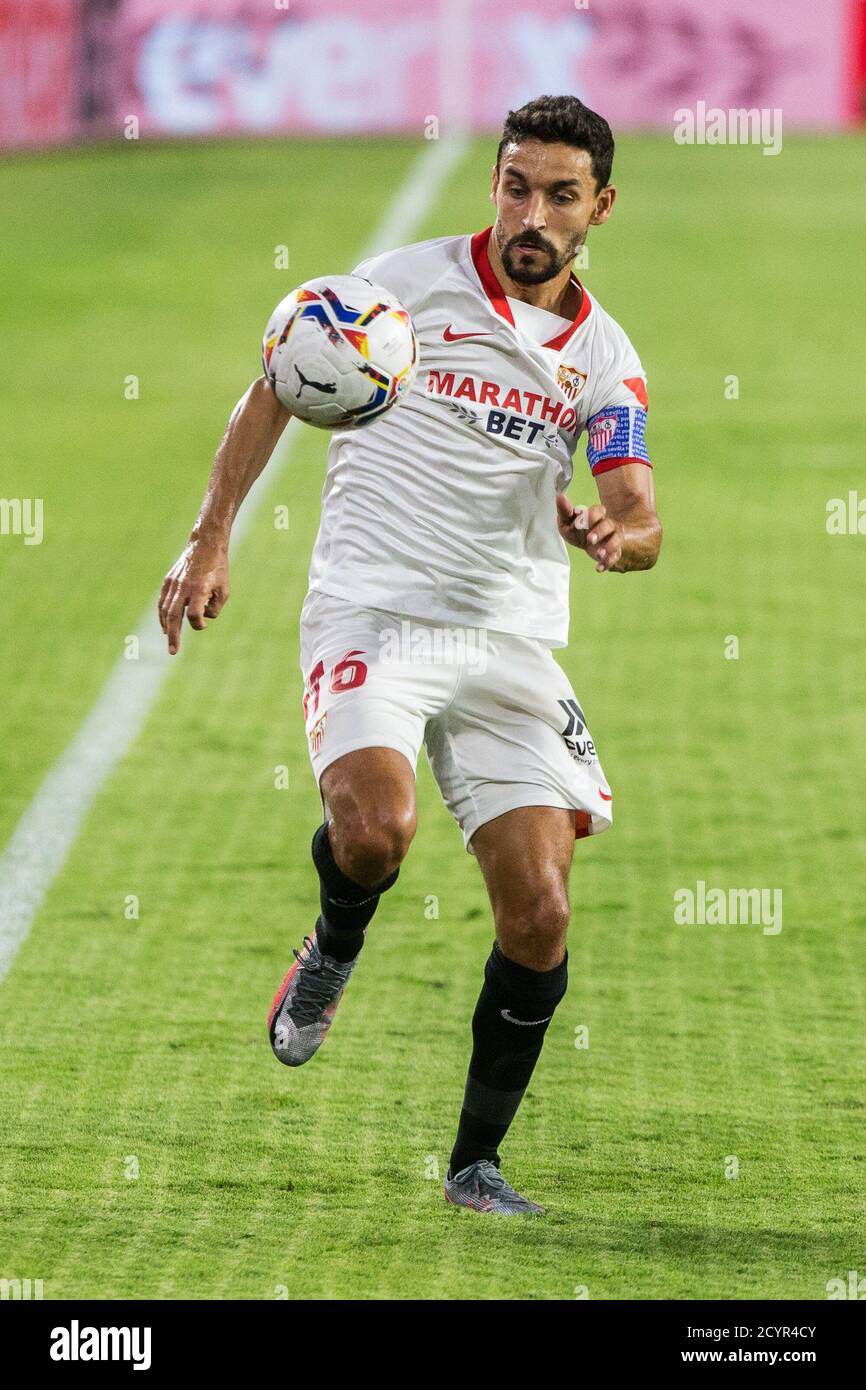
(557, 296)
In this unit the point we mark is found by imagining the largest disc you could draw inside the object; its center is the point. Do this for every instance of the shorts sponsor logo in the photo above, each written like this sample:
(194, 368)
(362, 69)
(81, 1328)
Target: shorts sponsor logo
(576, 734)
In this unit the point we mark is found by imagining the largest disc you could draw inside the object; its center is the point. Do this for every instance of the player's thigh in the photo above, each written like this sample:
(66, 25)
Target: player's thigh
(353, 698)
(513, 737)
(525, 856)
(364, 714)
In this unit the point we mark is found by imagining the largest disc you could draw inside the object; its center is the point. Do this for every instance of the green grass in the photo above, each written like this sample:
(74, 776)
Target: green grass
(145, 1039)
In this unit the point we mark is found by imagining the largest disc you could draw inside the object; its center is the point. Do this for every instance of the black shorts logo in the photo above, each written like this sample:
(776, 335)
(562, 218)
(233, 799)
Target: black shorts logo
(575, 733)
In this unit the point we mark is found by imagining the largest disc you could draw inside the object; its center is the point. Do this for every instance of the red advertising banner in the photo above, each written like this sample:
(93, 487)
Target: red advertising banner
(207, 67)
(37, 71)
(334, 65)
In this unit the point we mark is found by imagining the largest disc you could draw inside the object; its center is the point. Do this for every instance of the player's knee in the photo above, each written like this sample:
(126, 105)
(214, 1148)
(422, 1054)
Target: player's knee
(533, 929)
(375, 843)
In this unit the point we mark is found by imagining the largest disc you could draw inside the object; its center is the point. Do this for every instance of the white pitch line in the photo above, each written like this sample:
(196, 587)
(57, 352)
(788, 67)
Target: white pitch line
(50, 825)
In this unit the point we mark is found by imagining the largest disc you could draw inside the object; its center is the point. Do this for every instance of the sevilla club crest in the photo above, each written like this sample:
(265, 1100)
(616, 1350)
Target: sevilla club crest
(570, 381)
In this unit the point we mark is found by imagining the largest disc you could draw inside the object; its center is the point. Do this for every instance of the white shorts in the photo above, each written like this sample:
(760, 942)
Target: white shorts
(496, 713)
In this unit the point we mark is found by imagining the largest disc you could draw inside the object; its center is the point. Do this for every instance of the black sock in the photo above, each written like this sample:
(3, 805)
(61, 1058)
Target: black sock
(508, 1027)
(346, 906)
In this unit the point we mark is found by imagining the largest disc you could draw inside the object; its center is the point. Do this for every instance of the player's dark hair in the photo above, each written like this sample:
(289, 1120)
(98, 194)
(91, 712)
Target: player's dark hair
(565, 120)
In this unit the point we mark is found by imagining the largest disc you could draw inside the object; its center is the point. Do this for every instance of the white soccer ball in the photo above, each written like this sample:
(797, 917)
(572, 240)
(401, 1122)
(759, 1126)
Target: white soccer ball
(339, 351)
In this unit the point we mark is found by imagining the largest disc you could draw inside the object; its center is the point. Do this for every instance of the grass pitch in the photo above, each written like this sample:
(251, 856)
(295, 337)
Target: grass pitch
(150, 1146)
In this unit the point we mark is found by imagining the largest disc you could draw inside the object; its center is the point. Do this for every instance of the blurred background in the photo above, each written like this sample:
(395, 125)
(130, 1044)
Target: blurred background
(75, 69)
(169, 172)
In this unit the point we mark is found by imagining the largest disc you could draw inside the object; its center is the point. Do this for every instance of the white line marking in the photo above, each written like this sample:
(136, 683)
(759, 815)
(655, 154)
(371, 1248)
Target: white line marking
(51, 823)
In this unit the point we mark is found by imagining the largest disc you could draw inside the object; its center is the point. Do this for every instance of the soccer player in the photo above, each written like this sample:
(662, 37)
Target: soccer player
(443, 532)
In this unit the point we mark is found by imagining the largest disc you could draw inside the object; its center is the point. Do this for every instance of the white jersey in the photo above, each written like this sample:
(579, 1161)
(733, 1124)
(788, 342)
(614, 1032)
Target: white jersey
(445, 508)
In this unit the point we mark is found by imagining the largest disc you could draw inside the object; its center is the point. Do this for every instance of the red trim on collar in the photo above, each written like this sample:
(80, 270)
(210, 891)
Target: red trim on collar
(496, 294)
(491, 285)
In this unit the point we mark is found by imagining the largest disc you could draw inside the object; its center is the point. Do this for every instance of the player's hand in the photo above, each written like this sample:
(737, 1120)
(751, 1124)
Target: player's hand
(592, 530)
(197, 584)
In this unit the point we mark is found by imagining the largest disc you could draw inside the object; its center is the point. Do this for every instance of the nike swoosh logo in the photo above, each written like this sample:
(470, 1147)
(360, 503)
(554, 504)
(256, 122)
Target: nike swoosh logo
(524, 1022)
(451, 337)
(604, 796)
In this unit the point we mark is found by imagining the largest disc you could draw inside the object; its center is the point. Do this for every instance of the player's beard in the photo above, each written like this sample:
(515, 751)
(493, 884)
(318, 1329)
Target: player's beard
(540, 268)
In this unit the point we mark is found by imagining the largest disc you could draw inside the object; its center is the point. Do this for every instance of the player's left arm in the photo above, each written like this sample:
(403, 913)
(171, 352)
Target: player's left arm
(623, 532)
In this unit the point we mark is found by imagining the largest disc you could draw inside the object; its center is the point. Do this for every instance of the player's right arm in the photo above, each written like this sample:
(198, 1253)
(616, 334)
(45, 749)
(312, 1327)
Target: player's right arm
(198, 582)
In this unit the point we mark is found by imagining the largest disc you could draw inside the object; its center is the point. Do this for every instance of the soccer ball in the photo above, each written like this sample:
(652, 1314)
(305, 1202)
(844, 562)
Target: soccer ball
(339, 351)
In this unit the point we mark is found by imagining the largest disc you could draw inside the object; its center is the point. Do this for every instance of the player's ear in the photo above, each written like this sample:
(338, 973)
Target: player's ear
(494, 184)
(603, 205)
